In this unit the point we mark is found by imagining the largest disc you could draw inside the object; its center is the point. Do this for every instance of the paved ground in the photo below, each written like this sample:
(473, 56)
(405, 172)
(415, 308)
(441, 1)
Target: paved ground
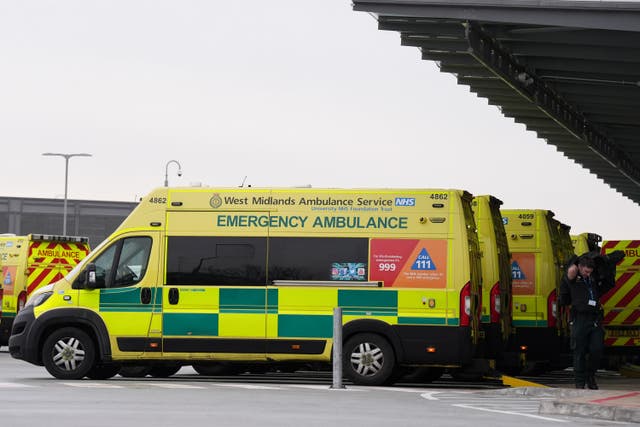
(487, 404)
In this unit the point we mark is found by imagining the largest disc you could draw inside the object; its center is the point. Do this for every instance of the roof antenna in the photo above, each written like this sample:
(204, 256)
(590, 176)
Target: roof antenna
(243, 181)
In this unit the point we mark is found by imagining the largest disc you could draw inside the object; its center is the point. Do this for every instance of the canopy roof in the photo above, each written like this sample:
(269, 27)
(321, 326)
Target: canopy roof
(568, 70)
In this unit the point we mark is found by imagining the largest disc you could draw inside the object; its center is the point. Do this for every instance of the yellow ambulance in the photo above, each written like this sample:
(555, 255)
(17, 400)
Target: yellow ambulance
(496, 276)
(536, 270)
(203, 275)
(30, 262)
(622, 305)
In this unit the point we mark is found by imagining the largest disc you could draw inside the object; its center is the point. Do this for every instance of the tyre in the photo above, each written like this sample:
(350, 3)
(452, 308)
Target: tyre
(215, 369)
(368, 359)
(134, 371)
(68, 354)
(103, 372)
(164, 371)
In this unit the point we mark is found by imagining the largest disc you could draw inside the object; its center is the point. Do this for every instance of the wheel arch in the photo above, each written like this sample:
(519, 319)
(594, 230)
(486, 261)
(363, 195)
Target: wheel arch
(86, 320)
(379, 327)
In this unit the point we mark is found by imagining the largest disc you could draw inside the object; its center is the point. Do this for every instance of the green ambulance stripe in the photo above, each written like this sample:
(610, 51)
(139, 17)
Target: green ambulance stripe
(305, 326)
(426, 321)
(321, 326)
(360, 302)
(128, 300)
(190, 324)
(366, 302)
(250, 300)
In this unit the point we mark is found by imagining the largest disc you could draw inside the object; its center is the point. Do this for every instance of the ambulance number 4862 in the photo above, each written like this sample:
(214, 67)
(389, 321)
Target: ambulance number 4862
(387, 266)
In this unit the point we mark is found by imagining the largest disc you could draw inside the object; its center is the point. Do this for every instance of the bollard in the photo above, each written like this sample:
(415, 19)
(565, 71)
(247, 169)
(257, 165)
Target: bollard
(337, 349)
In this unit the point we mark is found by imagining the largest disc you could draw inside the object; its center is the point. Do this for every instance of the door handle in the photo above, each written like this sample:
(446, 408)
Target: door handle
(145, 295)
(174, 296)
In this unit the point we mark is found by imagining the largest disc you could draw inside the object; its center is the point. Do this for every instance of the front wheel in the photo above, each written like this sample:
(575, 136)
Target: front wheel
(68, 354)
(368, 359)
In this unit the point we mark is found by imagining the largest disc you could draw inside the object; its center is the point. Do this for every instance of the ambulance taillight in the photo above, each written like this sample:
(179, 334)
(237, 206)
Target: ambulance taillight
(465, 305)
(494, 305)
(552, 309)
(22, 301)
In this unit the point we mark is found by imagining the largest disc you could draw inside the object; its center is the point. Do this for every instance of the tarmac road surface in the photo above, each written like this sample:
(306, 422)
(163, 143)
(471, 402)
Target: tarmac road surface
(29, 396)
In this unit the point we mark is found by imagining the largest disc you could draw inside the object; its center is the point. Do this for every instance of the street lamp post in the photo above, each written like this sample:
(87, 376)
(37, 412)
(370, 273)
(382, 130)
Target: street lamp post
(66, 182)
(166, 171)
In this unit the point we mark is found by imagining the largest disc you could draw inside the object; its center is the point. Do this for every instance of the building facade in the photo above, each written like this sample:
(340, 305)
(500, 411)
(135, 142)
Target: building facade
(94, 219)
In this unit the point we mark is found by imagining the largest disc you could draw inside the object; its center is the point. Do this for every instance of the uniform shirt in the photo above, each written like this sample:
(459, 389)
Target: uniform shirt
(578, 292)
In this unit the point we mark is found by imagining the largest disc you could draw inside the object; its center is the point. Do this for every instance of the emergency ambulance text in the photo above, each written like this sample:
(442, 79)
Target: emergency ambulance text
(297, 221)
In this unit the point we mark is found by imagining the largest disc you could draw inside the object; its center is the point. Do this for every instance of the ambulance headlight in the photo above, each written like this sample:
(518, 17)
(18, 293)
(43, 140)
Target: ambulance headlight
(38, 299)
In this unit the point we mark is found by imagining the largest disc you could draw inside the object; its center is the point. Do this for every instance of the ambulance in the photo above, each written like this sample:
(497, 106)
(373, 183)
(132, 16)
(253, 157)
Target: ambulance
(536, 270)
(247, 275)
(622, 306)
(30, 262)
(496, 276)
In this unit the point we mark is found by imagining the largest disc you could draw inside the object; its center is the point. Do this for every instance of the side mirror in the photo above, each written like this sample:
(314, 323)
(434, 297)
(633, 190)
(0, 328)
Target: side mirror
(86, 280)
(90, 276)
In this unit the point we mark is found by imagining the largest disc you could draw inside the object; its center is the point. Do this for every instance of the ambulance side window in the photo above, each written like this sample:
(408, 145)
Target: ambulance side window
(123, 263)
(318, 258)
(216, 261)
(132, 262)
(104, 264)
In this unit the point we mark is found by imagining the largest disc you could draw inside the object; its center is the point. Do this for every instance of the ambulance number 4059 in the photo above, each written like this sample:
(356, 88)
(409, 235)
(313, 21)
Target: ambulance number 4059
(387, 266)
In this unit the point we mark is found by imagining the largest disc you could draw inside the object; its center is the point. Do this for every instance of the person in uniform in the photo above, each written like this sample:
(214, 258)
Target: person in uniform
(582, 288)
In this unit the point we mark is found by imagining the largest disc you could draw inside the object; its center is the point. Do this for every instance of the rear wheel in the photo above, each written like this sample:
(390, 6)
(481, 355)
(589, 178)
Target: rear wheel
(368, 359)
(68, 354)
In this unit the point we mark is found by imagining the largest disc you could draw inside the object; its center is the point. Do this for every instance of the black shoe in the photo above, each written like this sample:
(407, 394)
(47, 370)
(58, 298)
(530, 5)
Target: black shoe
(591, 383)
(580, 386)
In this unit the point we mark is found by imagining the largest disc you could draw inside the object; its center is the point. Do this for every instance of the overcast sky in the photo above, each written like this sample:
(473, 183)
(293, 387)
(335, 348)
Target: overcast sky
(284, 92)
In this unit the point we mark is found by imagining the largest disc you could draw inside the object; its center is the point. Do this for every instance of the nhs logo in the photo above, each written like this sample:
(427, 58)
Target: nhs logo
(405, 201)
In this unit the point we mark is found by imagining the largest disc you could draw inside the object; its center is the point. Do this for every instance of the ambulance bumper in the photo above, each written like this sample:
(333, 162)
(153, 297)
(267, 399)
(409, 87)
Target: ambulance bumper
(5, 329)
(20, 346)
